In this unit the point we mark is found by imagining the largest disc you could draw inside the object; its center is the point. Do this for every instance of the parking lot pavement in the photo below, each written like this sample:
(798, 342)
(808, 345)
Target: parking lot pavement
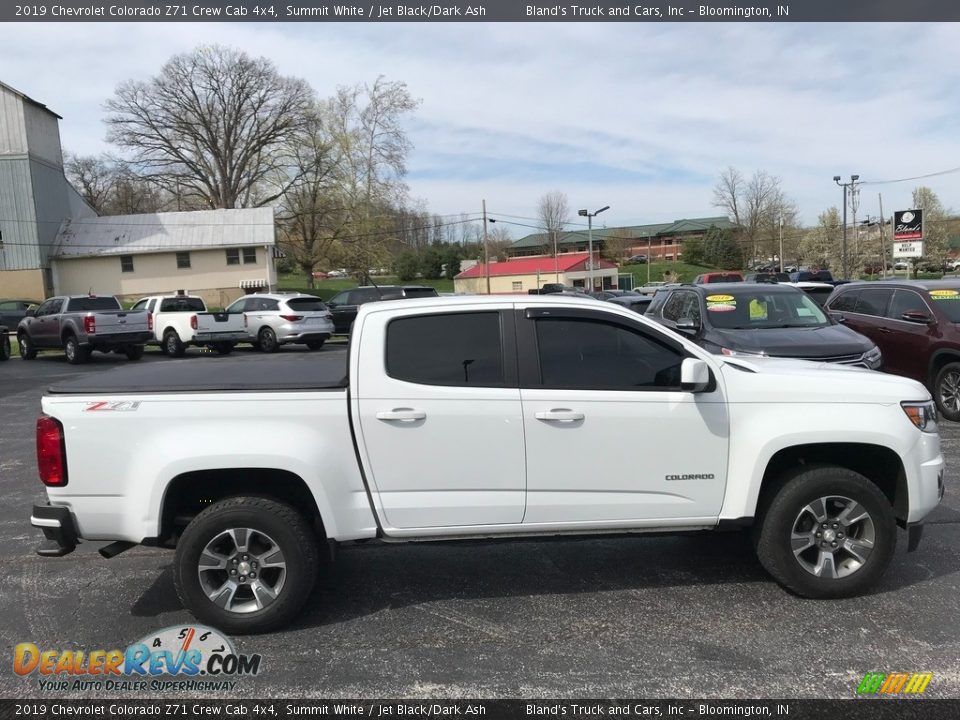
(689, 616)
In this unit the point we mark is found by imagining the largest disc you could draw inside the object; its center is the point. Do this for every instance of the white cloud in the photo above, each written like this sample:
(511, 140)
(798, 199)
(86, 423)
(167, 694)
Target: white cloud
(638, 117)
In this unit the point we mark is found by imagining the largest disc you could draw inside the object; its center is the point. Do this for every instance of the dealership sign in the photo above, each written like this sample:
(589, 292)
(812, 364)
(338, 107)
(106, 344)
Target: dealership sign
(908, 225)
(908, 234)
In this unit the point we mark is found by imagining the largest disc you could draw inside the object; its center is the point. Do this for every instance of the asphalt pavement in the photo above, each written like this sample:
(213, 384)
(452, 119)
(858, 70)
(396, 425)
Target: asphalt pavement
(686, 616)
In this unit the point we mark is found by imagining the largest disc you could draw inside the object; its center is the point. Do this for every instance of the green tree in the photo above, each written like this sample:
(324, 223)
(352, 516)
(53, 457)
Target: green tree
(694, 251)
(935, 234)
(431, 263)
(451, 260)
(406, 265)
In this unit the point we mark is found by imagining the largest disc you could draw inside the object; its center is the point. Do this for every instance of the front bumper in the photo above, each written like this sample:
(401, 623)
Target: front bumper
(58, 528)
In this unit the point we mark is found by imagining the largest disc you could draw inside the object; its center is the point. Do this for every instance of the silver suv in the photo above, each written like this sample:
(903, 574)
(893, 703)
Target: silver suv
(278, 319)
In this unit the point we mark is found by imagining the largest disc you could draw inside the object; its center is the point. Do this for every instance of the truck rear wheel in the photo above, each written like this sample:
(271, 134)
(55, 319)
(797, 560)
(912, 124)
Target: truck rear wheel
(27, 350)
(829, 532)
(246, 564)
(133, 352)
(222, 348)
(172, 344)
(74, 352)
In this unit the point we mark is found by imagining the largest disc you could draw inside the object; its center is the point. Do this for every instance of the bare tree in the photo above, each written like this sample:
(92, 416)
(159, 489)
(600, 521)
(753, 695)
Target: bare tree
(935, 231)
(111, 188)
(553, 210)
(756, 206)
(212, 126)
(617, 244)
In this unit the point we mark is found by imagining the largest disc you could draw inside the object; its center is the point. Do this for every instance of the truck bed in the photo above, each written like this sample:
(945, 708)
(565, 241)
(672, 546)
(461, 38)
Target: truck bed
(281, 372)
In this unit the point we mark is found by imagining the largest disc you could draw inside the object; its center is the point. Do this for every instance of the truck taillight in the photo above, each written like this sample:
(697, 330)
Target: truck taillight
(292, 318)
(149, 321)
(193, 322)
(51, 452)
(90, 325)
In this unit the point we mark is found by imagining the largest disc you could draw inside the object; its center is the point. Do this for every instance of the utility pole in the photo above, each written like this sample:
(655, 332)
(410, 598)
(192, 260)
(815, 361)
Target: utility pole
(486, 247)
(851, 184)
(854, 205)
(781, 244)
(883, 239)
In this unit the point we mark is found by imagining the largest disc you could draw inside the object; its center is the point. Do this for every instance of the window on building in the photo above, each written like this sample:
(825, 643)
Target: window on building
(183, 260)
(517, 285)
(126, 263)
(461, 349)
(249, 256)
(233, 256)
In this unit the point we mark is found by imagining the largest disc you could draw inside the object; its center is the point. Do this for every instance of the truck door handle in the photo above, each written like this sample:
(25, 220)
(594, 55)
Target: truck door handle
(559, 415)
(884, 329)
(401, 415)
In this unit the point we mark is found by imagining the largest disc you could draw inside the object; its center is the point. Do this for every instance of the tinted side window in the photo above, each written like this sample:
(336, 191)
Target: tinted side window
(419, 292)
(873, 301)
(451, 349)
(238, 306)
(45, 308)
(682, 305)
(845, 302)
(340, 299)
(673, 306)
(591, 354)
(364, 295)
(906, 301)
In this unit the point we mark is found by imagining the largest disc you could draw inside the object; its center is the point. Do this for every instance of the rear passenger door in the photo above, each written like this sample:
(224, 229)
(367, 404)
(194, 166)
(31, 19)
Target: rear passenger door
(439, 418)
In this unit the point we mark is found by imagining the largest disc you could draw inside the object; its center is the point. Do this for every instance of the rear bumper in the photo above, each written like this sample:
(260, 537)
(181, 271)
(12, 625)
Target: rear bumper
(118, 339)
(58, 528)
(306, 336)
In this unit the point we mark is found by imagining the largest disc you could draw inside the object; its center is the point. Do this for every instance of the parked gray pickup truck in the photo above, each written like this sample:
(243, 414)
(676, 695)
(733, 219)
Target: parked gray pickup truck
(81, 324)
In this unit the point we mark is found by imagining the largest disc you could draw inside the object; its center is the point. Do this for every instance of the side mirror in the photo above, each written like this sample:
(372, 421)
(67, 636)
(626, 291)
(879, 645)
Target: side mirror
(32, 312)
(918, 316)
(687, 325)
(694, 375)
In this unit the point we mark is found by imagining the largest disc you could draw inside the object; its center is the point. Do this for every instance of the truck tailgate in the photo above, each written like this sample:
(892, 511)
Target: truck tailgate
(221, 326)
(110, 322)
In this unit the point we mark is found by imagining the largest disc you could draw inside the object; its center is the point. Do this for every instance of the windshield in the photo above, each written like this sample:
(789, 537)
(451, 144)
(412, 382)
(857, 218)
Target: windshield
(756, 309)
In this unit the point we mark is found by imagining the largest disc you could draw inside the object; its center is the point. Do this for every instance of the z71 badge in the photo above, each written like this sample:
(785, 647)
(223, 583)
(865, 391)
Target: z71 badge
(118, 406)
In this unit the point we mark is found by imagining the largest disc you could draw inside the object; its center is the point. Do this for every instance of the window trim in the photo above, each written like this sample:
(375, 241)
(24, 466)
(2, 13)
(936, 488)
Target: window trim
(235, 261)
(243, 255)
(528, 350)
(180, 255)
(508, 349)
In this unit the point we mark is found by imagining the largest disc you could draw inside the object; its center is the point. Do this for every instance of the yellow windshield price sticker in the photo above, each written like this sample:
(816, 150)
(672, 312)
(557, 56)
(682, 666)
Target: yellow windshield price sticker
(721, 298)
(944, 295)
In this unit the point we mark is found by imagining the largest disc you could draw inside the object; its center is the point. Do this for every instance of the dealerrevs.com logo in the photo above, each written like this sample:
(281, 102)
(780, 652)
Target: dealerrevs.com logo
(191, 657)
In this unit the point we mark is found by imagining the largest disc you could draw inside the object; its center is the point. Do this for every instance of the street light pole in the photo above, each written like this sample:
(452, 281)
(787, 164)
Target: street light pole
(781, 244)
(590, 216)
(852, 184)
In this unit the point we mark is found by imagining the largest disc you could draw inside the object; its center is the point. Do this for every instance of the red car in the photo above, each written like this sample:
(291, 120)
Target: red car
(718, 277)
(914, 323)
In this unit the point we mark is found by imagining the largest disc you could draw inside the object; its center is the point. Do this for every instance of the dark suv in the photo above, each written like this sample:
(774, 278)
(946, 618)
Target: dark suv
(343, 306)
(915, 325)
(760, 319)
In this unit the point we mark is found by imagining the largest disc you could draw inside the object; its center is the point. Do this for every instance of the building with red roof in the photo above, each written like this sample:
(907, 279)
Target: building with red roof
(530, 273)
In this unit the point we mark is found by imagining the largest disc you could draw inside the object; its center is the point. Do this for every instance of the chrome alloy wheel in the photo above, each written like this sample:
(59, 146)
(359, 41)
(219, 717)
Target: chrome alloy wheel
(950, 391)
(242, 570)
(833, 537)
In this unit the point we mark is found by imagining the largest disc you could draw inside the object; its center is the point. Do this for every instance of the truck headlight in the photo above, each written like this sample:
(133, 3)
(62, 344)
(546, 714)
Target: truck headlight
(922, 414)
(873, 358)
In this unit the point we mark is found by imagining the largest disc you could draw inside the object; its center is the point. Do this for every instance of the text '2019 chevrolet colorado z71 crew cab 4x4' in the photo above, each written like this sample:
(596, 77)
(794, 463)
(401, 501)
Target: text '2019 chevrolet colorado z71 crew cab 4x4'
(589, 418)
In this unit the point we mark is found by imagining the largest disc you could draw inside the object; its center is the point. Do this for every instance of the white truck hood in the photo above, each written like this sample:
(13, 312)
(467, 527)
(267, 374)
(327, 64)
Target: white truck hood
(777, 379)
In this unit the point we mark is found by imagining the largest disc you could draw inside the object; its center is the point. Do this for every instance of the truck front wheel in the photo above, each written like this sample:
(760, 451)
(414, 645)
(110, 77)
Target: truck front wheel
(829, 532)
(27, 350)
(246, 564)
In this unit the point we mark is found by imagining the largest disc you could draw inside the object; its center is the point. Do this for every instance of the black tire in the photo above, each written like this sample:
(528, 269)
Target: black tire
(133, 352)
(315, 344)
(222, 348)
(75, 354)
(267, 340)
(946, 391)
(172, 344)
(5, 350)
(785, 514)
(292, 535)
(27, 350)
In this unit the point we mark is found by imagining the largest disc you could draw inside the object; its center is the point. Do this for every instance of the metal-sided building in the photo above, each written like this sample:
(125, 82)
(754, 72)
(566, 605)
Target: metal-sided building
(35, 197)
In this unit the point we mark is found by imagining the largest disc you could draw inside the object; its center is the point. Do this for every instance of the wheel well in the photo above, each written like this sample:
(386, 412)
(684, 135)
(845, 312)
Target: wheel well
(881, 465)
(190, 493)
(937, 363)
(169, 329)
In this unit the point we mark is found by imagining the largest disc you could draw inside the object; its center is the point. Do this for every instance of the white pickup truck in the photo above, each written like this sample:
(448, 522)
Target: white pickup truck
(482, 417)
(174, 319)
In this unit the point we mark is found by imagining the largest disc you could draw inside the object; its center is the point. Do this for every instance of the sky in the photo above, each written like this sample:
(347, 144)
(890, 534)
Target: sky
(642, 118)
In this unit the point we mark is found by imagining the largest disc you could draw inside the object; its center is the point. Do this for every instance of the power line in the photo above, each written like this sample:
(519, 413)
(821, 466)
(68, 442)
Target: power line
(908, 179)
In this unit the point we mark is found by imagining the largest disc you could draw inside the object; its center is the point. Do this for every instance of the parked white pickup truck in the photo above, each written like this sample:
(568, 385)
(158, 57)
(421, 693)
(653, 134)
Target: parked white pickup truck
(175, 322)
(484, 417)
